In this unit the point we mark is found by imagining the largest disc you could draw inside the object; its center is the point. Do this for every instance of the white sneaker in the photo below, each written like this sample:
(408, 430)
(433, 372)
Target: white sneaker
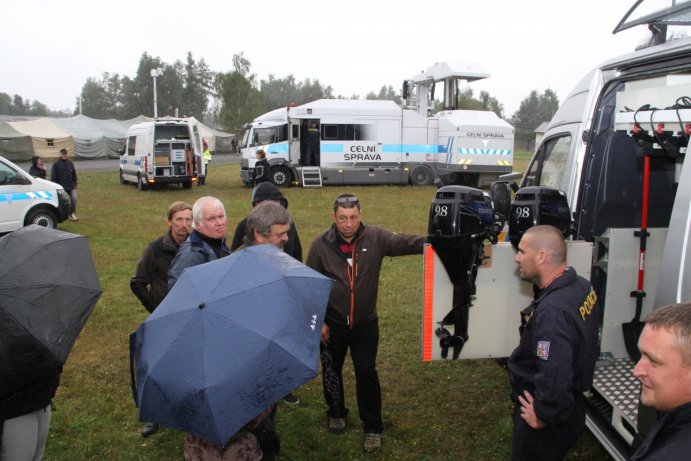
(73, 217)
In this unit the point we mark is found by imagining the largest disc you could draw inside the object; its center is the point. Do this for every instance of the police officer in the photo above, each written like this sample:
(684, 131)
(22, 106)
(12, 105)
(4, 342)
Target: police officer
(554, 362)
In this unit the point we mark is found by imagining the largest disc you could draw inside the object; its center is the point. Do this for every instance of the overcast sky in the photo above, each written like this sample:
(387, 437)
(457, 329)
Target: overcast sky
(51, 47)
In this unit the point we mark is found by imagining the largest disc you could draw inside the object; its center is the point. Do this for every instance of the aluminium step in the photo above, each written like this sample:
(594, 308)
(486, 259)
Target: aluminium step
(311, 176)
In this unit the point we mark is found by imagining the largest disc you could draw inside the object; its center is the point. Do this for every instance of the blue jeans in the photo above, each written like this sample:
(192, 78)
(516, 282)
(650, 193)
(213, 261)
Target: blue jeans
(73, 200)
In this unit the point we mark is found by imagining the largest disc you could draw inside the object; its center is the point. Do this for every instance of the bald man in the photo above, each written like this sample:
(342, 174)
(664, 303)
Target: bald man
(554, 362)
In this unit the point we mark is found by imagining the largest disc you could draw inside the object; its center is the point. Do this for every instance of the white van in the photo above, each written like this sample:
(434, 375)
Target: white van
(27, 200)
(163, 151)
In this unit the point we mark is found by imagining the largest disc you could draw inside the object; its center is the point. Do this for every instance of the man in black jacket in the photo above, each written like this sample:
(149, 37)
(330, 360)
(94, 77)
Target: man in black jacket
(150, 282)
(555, 360)
(267, 191)
(64, 173)
(665, 374)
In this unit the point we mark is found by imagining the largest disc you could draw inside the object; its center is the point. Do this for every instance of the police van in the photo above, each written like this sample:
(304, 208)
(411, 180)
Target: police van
(163, 151)
(27, 200)
(612, 168)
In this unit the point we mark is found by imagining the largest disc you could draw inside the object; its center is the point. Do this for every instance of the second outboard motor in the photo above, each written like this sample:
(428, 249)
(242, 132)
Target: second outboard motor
(535, 205)
(460, 219)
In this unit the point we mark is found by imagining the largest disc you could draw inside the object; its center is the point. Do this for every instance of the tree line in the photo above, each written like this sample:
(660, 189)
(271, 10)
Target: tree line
(228, 100)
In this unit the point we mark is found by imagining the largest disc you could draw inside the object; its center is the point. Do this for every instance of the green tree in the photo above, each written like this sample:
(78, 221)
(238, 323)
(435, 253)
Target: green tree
(239, 99)
(5, 104)
(386, 93)
(198, 85)
(467, 101)
(138, 93)
(94, 99)
(534, 109)
(278, 92)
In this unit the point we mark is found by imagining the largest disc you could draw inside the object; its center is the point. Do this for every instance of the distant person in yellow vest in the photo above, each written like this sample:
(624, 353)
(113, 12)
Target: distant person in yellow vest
(207, 159)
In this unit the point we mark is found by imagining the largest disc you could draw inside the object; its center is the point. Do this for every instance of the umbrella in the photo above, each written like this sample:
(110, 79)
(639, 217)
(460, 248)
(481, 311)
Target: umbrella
(232, 337)
(48, 288)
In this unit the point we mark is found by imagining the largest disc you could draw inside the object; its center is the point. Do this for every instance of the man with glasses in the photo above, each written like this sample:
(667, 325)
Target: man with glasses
(351, 254)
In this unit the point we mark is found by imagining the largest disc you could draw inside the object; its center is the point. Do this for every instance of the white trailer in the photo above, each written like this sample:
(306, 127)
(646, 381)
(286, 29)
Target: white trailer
(378, 142)
(624, 111)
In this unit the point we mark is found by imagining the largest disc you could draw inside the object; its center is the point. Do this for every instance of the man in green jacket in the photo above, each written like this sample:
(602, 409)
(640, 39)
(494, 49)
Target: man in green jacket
(351, 254)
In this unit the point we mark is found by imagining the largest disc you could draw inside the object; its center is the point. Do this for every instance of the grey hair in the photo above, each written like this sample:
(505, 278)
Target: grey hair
(265, 215)
(198, 209)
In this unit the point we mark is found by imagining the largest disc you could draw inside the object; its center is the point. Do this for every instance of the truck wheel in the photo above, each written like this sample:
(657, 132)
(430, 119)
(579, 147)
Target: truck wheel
(122, 179)
(141, 183)
(421, 176)
(186, 184)
(281, 176)
(42, 217)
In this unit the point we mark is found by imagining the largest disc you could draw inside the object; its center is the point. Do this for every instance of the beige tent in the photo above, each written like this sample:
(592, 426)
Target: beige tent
(46, 137)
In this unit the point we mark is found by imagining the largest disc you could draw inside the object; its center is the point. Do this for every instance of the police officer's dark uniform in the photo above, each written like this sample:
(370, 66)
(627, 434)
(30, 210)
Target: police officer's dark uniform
(554, 361)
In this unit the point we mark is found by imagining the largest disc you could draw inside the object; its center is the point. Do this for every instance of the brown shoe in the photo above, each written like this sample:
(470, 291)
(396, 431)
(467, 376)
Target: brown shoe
(337, 425)
(372, 442)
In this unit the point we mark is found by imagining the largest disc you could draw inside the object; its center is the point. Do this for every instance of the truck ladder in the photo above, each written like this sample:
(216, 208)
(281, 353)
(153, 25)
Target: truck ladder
(311, 176)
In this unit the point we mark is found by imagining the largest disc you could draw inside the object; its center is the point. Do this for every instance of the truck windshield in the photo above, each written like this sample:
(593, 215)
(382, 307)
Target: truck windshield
(263, 136)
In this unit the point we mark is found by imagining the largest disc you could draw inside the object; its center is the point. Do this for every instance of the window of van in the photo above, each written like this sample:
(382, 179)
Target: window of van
(171, 132)
(130, 145)
(343, 132)
(549, 165)
(9, 176)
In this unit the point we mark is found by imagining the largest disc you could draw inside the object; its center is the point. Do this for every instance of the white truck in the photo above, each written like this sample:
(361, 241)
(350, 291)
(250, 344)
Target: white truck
(378, 142)
(27, 200)
(615, 152)
(163, 151)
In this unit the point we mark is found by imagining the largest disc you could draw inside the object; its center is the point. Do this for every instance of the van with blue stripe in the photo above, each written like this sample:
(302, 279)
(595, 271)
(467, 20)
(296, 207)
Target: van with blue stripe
(27, 200)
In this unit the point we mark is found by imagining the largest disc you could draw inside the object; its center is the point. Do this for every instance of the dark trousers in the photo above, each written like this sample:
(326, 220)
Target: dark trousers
(550, 443)
(362, 341)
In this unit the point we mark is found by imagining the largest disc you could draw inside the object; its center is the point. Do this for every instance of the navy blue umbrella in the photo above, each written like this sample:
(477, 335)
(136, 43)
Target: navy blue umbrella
(232, 337)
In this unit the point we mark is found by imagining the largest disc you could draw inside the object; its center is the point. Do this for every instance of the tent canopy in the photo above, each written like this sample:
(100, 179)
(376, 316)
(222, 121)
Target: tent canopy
(85, 137)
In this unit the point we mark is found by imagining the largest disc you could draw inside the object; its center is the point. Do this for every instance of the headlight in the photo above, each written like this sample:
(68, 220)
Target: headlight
(62, 194)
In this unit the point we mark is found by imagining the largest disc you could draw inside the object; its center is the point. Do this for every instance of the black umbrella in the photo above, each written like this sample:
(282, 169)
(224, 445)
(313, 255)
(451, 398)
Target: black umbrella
(48, 288)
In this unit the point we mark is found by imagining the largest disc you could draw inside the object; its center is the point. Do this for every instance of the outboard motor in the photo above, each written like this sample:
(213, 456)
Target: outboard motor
(535, 205)
(460, 219)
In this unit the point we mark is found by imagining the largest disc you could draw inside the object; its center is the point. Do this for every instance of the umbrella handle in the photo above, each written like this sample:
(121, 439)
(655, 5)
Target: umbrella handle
(133, 376)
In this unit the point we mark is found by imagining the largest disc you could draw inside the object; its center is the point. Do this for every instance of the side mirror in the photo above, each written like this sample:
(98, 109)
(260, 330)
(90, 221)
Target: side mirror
(120, 150)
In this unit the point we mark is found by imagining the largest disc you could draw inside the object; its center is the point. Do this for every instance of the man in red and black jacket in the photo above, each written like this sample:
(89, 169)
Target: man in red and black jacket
(351, 254)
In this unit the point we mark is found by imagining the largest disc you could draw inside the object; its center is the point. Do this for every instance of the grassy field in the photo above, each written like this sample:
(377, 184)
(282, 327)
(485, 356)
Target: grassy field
(435, 411)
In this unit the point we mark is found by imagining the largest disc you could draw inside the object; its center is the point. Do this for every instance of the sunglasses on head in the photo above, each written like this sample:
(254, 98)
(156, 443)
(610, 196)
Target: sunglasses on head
(347, 200)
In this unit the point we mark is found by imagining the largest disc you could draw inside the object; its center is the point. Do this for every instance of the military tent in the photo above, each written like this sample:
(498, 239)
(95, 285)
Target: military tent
(93, 138)
(46, 137)
(15, 146)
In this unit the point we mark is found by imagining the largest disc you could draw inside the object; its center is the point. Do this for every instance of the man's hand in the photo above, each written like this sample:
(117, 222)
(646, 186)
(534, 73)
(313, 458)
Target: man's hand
(528, 411)
(325, 334)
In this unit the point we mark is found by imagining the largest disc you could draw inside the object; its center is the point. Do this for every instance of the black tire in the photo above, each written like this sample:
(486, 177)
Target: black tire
(141, 183)
(421, 176)
(122, 180)
(186, 184)
(281, 176)
(42, 217)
